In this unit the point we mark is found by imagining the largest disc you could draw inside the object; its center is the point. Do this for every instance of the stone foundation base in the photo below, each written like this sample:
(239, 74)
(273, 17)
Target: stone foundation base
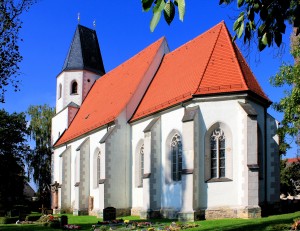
(221, 213)
(135, 211)
(191, 216)
(169, 213)
(56, 211)
(186, 216)
(93, 213)
(77, 212)
(119, 213)
(123, 212)
(150, 214)
(208, 214)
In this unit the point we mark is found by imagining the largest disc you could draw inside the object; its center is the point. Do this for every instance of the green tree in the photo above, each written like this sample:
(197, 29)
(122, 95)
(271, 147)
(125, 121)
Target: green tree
(10, 25)
(39, 160)
(289, 105)
(13, 151)
(261, 20)
(289, 172)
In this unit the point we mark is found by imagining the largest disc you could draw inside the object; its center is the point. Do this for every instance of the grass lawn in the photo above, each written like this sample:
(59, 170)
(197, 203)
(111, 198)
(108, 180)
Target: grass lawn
(271, 223)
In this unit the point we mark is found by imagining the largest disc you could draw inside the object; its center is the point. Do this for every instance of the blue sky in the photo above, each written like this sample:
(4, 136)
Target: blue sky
(123, 30)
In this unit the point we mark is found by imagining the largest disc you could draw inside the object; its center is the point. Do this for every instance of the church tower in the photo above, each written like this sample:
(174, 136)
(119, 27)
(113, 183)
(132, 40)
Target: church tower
(82, 67)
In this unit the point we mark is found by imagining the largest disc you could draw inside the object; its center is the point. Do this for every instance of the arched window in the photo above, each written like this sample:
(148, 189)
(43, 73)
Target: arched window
(59, 91)
(217, 151)
(77, 167)
(176, 155)
(141, 165)
(139, 161)
(97, 167)
(74, 87)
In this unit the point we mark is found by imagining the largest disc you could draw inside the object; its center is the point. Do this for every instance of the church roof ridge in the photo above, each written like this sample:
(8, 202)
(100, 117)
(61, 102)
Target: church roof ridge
(209, 64)
(217, 69)
(113, 91)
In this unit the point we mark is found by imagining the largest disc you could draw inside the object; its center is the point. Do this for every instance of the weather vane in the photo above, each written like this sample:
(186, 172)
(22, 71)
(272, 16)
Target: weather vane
(94, 24)
(78, 18)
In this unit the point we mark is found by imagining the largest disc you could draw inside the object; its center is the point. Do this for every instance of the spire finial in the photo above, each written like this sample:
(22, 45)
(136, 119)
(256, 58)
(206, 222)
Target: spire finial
(78, 17)
(94, 23)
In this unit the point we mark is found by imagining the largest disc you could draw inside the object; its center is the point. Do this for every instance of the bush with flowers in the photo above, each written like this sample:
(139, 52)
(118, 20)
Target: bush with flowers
(296, 224)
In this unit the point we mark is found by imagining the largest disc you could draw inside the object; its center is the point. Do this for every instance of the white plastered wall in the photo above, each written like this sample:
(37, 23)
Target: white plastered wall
(59, 124)
(137, 135)
(85, 81)
(221, 194)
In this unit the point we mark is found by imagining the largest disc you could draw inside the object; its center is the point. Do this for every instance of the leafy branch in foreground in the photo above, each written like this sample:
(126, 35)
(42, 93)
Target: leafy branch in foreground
(10, 25)
(262, 20)
(265, 20)
(167, 7)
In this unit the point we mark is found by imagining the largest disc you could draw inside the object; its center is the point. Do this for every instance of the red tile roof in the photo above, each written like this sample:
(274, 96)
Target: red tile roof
(293, 160)
(110, 94)
(208, 64)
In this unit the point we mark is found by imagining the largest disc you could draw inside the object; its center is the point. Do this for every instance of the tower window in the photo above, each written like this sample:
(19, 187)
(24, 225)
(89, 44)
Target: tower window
(59, 91)
(74, 88)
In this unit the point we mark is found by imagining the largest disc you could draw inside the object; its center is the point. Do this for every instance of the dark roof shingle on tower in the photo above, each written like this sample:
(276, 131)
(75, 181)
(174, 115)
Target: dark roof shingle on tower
(84, 52)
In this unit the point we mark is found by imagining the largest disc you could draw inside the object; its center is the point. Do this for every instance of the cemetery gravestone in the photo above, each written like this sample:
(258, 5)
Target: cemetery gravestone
(109, 214)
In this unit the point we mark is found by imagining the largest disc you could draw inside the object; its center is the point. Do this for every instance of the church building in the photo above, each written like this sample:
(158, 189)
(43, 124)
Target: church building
(177, 134)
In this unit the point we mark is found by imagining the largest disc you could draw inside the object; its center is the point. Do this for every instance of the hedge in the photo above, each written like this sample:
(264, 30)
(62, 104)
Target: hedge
(32, 217)
(8, 220)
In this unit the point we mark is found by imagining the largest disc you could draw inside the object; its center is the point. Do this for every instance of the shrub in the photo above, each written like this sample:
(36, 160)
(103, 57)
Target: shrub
(8, 220)
(296, 224)
(55, 224)
(104, 228)
(32, 217)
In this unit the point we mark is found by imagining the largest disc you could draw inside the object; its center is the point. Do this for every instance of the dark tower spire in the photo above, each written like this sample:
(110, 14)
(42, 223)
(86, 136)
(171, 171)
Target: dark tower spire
(84, 52)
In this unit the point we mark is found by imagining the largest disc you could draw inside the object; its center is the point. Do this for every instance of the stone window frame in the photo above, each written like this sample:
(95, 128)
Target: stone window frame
(218, 160)
(176, 158)
(138, 164)
(77, 167)
(228, 153)
(74, 87)
(59, 91)
(142, 164)
(97, 167)
(168, 157)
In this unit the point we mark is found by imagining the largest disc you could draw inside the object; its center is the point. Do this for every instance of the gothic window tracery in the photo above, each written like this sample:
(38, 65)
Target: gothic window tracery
(141, 165)
(217, 148)
(98, 166)
(176, 155)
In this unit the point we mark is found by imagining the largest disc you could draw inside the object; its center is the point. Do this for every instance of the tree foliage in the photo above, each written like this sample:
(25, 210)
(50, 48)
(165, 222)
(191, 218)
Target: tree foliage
(39, 160)
(288, 174)
(265, 20)
(289, 105)
(167, 7)
(261, 20)
(13, 151)
(10, 25)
